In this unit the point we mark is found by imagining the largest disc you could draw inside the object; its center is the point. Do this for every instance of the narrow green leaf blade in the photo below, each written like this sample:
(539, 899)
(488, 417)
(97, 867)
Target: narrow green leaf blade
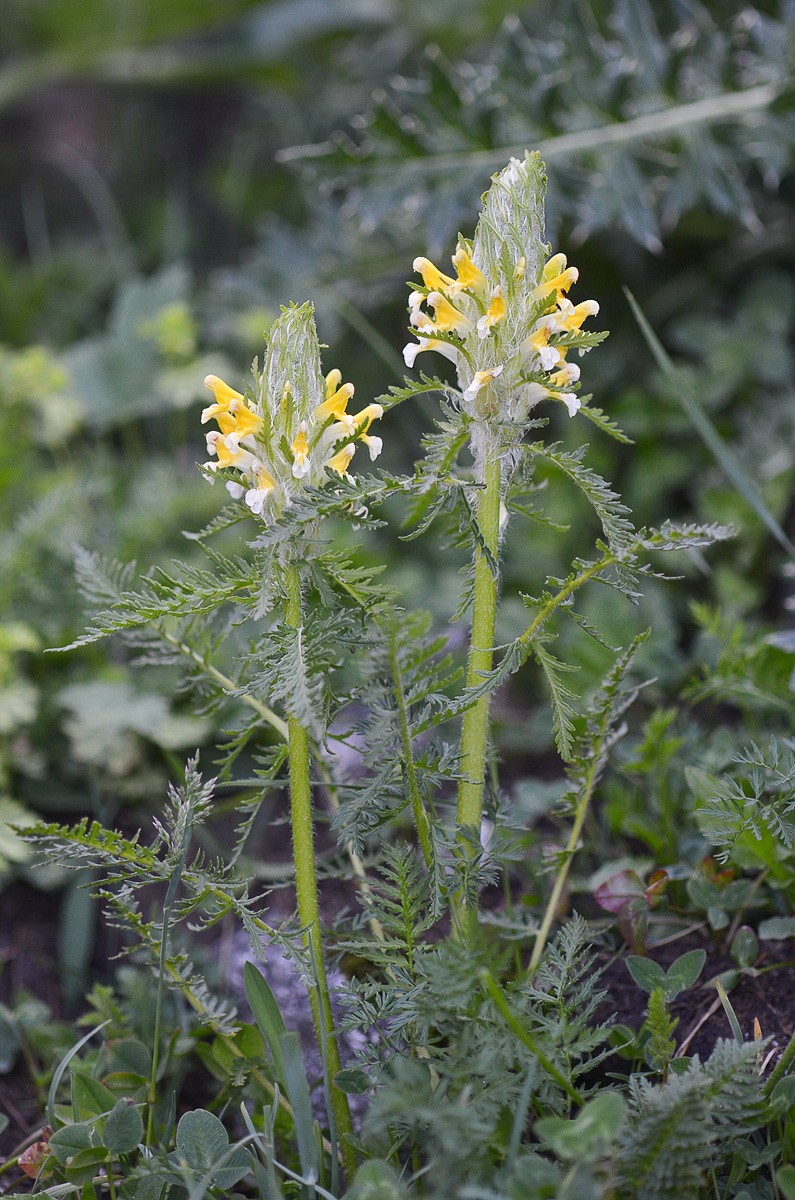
(298, 1092)
(268, 1017)
(706, 430)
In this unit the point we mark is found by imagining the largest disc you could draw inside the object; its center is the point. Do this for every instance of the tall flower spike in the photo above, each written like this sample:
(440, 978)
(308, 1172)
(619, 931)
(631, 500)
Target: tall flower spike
(506, 319)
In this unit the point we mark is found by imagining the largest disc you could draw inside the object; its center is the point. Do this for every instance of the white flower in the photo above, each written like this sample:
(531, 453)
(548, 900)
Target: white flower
(256, 499)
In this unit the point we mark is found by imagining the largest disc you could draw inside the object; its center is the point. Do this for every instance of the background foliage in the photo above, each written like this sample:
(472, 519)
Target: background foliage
(174, 171)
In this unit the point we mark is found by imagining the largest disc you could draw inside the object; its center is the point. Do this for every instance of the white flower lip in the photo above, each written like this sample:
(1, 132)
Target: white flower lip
(479, 380)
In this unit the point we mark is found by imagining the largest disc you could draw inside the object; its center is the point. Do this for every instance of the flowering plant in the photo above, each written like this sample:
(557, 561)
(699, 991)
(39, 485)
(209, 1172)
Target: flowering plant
(284, 448)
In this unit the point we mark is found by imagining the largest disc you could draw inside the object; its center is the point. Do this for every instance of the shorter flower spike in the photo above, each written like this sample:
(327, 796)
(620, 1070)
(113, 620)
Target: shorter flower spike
(290, 440)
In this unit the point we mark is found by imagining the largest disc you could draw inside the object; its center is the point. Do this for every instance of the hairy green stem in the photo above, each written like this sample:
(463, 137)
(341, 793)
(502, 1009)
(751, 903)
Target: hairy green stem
(420, 816)
(475, 727)
(306, 892)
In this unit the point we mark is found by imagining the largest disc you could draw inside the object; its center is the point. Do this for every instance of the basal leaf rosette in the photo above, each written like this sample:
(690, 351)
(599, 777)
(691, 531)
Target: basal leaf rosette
(505, 318)
(293, 430)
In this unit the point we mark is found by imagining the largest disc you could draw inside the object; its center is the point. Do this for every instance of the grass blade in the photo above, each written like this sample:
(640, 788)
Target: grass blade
(707, 431)
(59, 1071)
(268, 1017)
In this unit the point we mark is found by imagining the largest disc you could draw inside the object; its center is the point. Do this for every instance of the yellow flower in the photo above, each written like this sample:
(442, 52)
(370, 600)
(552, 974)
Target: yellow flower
(230, 409)
(361, 423)
(558, 283)
(479, 380)
(257, 497)
(448, 318)
(495, 313)
(432, 277)
(217, 412)
(573, 316)
(228, 451)
(568, 373)
(246, 420)
(553, 267)
(362, 420)
(341, 461)
(222, 391)
(335, 403)
(469, 277)
(300, 449)
(538, 343)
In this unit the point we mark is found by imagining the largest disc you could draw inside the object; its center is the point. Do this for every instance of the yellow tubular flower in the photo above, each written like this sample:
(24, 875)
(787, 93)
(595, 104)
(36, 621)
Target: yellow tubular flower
(357, 425)
(553, 267)
(300, 449)
(335, 403)
(559, 284)
(333, 381)
(479, 380)
(412, 349)
(257, 497)
(495, 313)
(568, 373)
(373, 412)
(574, 316)
(341, 461)
(222, 392)
(448, 318)
(432, 277)
(265, 482)
(228, 455)
(226, 422)
(246, 420)
(538, 343)
(469, 277)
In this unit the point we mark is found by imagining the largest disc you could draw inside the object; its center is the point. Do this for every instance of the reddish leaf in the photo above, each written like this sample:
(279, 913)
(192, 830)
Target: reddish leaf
(615, 891)
(655, 888)
(30, 1160)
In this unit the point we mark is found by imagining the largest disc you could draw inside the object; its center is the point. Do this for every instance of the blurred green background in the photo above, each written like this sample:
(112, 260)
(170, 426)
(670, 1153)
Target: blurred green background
(174, 170)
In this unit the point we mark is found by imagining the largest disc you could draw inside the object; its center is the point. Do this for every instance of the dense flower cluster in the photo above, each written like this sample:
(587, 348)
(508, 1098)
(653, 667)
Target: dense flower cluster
(274, 450)
(520, 340)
